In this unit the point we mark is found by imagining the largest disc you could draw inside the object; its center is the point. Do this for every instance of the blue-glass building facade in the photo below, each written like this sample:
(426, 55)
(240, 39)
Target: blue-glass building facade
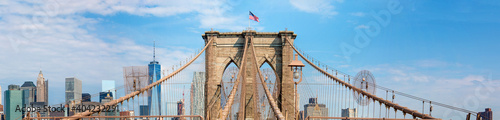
(13, 99)
(143, 110)
(29, 92)
(154, 97)
(103, 95)
(108, 86)
(86, 97)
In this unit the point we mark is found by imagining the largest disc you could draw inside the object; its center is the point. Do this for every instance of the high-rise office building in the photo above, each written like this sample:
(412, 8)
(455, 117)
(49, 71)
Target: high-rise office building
(1, 111)
(103, 95)
(73, 90)
(107, 99)
(42, 88)
(315, 109)
(198, 94)
(13, 99)
(487, 114)
(86, 97)
(108, 86)
(1, 96)
(13, 87)
(154, 95)
(143, 110)
(350, 112)
(46, 91)
(180, 107)
(39, 105)
(1, 106)
(180, 110)
(29, 92)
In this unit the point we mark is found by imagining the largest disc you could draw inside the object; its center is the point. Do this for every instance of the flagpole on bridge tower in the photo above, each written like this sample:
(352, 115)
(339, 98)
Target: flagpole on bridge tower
(249, 28)
(251, 17)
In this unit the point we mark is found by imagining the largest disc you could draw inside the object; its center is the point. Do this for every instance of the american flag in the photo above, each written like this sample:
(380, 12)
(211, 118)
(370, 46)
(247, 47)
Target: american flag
(253, 17)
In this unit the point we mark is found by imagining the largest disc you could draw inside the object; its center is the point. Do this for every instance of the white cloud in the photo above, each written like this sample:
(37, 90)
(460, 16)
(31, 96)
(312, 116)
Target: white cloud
(358, 14)
(323, 7)
(400, 73)
(362, 27)
(431, 63)
(210, 13)
(344, 66)
(56, 37)
(465, 81)
(219, 21)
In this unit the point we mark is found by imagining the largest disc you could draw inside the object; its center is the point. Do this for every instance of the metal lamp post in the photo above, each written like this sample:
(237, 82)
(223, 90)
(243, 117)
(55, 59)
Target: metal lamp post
(296, 66)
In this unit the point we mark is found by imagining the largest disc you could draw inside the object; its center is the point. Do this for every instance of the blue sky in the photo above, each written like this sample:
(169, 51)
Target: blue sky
(428, 49)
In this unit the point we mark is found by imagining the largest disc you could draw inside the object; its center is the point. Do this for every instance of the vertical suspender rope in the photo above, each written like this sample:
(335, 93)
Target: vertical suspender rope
(423, 103)
(357, 102)
(276, 110)
(386, 109)
(380, 110)
(334, 85)
(368, 107)
(395, 113)
(351, 99)
(430, 108)
(373, 109)
(346, 94)
(388, 103)
(229, 101)
(362, 106)
(338, 98)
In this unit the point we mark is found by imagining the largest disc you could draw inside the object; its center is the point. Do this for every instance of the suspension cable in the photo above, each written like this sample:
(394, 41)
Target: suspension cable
(277, 112)
(230, 100)
(396, 106)
(406, 95)
(425, 100)
(121, 99)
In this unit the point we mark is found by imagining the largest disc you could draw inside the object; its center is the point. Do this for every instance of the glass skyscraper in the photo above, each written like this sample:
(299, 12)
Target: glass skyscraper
(198, 94)
(1, 97)
(29, 92)
(73, 90)
(103, 95)
(143, 110)
(108, 86)
(86, 97)
(154, 97)
(13, 99)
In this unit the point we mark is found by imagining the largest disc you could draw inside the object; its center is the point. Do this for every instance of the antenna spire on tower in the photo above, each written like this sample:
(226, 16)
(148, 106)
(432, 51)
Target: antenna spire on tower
(183, 92)
(154, 50)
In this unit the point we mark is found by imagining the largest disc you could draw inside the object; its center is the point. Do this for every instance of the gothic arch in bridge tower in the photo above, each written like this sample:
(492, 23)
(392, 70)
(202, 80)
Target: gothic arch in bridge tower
(265, 60)
(228, 47)
(228, 62)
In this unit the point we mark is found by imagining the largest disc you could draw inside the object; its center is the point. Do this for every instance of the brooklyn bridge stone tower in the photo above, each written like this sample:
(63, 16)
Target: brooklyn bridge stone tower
(227, 48)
